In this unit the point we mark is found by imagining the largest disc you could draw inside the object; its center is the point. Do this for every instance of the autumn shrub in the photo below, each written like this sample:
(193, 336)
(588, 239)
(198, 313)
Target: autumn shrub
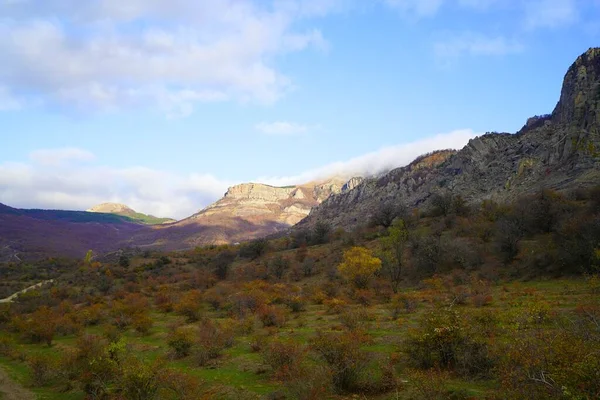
(342, 353)
(284, 358)
(296, 303)
(314, 383)
(379, 378)
(92, 315)
(190, 305)
(142, 323)
(7, 346)
(335, 306)
(541, 364)
(432, 385)
(355, 319)
(403, 303)
(248, 301)
(358, 266)
(39, 327)
(42, 369)
(180, 341)
(211, 340)
(140, 380)
(164, 301)
(363, 297)
(271, 316)
(443, 341)
(179, 385)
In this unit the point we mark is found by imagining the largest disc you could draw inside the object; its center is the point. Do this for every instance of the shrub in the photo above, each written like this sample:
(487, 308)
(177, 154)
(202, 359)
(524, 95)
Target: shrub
(212, 339)
(271, 316)
(142, 323)
(442, 341)
(354, 320)
(140, 380)
(403, 303)
(42, 368)
(284, 358)
(359, 266)
(343, 355)
(313, 383)
(181, 340)
(189, 305)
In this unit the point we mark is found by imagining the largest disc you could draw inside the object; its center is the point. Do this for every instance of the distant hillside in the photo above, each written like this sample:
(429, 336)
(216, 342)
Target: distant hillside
(123, 210)
(31, 234)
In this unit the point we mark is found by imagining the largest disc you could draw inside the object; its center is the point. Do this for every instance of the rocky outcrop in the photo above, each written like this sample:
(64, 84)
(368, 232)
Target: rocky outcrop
(579, 103)
(111, 208)
(252, 210)
(560, 151)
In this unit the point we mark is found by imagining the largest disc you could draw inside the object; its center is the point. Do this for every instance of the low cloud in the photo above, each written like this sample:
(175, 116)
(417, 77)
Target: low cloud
(51, 181)
(379, 161)
(60, 186)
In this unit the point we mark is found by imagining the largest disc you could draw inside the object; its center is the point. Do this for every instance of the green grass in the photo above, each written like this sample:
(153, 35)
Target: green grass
(239, 367)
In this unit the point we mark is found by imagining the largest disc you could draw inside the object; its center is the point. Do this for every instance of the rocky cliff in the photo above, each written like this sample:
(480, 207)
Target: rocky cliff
(267, 205)
(560, 151)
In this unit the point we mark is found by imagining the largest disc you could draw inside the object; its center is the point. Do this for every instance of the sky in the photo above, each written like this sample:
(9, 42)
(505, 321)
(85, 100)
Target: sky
(162, 105)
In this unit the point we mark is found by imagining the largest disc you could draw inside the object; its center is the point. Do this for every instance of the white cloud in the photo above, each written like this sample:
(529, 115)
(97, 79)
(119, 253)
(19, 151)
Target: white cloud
(381, 160)
(55, 157)
(111, 54)
(145, 190)
(470, 43)
(550, 13)
(282, 128)
(72, 186)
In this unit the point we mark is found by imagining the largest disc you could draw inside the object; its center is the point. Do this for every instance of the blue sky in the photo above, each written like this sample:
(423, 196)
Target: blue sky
(163, 104)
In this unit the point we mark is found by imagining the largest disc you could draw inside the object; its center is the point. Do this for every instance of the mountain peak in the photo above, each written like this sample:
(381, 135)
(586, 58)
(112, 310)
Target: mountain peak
(111, 208)
(579, 102)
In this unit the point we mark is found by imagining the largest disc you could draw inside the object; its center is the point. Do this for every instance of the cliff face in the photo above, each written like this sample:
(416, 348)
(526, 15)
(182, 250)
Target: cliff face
(264, 204)
(248, 211)
(560, 151)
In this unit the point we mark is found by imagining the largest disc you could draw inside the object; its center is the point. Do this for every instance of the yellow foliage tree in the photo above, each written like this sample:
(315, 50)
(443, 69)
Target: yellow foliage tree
(359, 265)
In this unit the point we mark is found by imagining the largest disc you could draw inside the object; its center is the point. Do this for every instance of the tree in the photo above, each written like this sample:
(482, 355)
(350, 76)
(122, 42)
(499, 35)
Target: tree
(320, 233)
(387, 213)
(124, 261)
(394, 245)
(279, 265)
(359, 266)
(222, 262)
(254, 249)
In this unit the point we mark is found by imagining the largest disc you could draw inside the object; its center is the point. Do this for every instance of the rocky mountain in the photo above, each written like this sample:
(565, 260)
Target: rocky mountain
(122, 209)
(559, 151)
(248, 211)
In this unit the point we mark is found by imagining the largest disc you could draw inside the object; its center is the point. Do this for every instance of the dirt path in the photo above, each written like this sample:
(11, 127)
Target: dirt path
(11, 390)
(14, 295)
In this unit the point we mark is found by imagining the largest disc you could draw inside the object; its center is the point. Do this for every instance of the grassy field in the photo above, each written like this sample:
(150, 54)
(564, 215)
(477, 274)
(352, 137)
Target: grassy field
(241, 367)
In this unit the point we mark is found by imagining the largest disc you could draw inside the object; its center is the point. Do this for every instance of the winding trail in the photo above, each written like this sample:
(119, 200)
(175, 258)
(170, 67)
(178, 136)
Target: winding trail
(11, 390)
(10, 298)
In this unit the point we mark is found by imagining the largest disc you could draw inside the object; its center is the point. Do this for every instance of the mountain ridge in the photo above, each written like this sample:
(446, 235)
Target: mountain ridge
(558, 151)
